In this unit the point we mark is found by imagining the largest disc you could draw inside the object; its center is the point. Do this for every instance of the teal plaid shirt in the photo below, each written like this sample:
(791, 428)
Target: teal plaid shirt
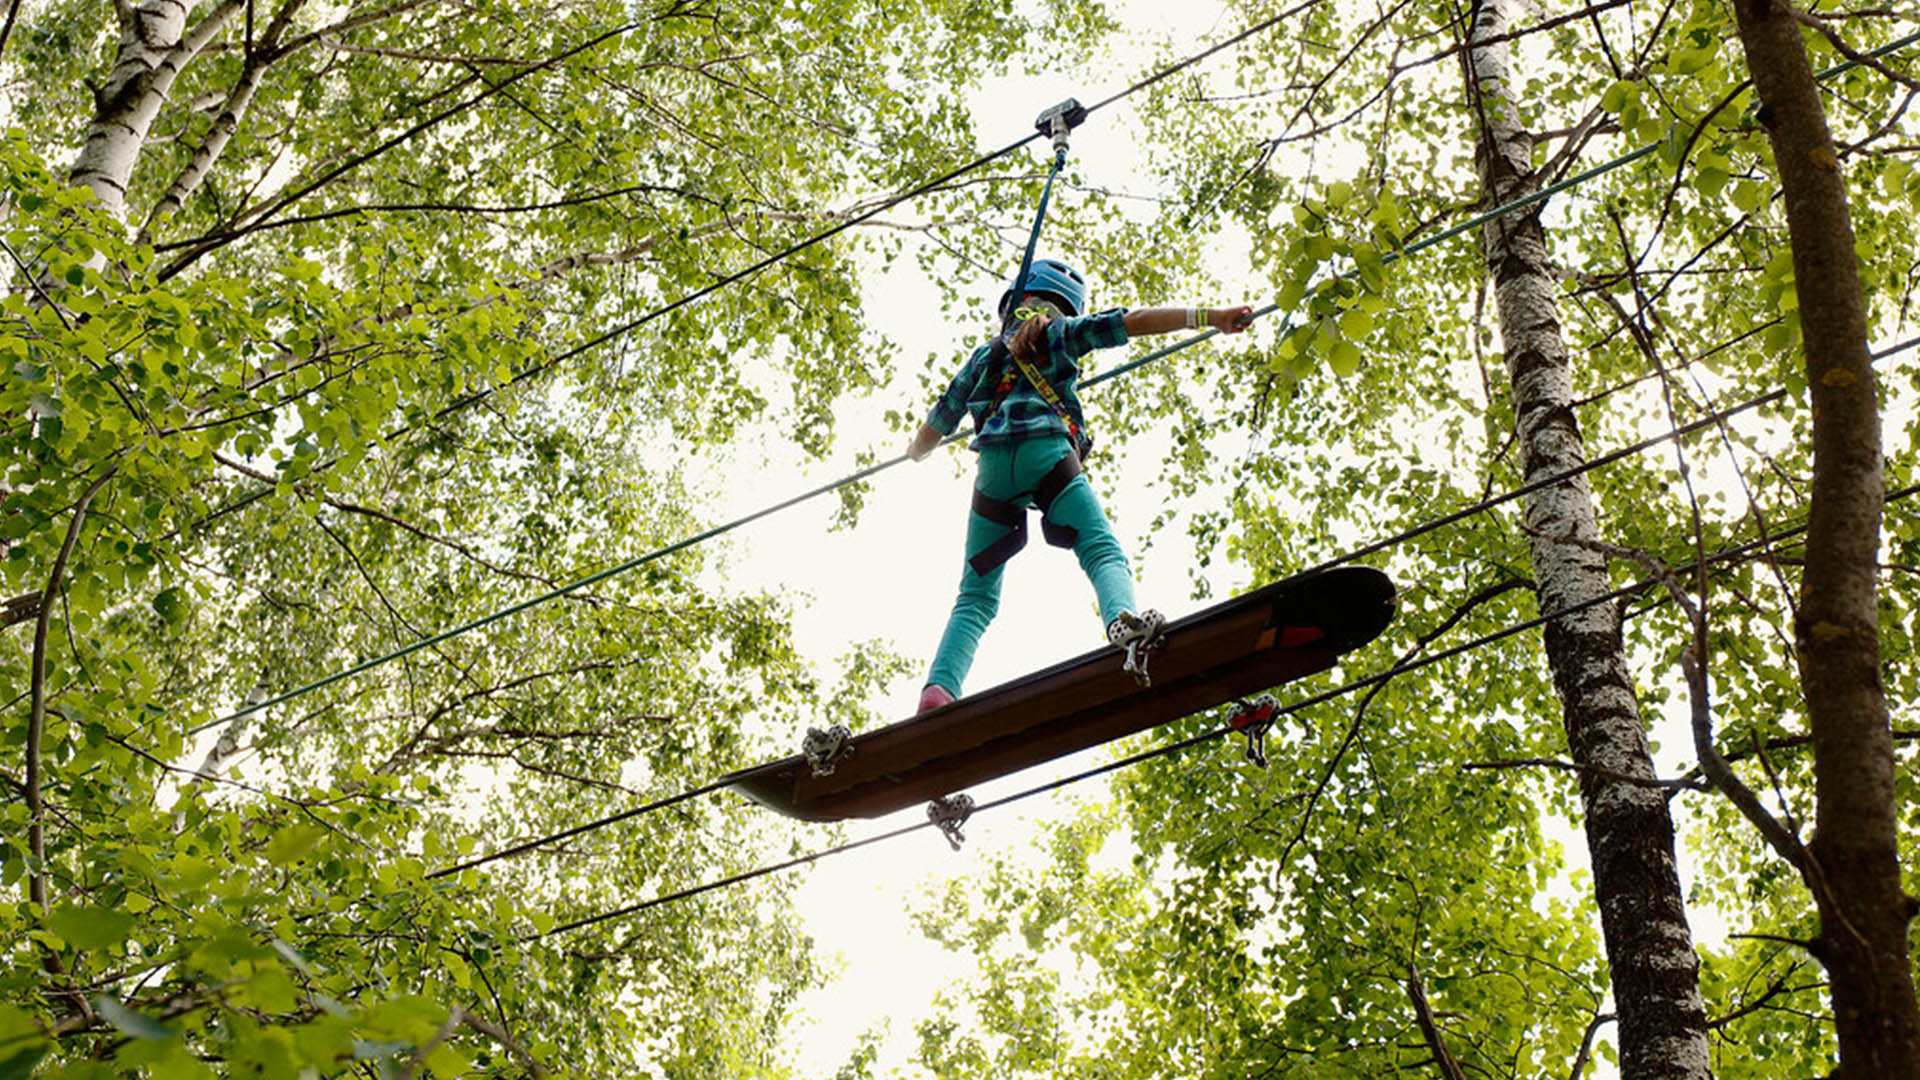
(1024, 414)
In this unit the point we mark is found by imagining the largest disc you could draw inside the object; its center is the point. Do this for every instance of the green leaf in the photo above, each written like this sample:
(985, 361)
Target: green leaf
(1292, 293)
(181, 1065)
(18, 1063)
(271, 990)
(1345, 358)
(171, 604)
(1749, 195)
(373, 1050)
(446, 1060)
(292, 842)
(1619, 95)
(293, 956)
(90, 927)
(129, 1022)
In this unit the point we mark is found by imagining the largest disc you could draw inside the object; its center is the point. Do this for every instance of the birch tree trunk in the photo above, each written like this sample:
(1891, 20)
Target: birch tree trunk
(1855, 876)
(154, 46)
(1662, 1023)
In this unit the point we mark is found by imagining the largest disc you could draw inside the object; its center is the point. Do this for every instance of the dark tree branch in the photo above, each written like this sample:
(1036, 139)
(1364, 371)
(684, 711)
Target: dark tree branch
(1586, 1044)
(429, 207)
(1779, 986)
(1359, 713)
(208, 243)
(1826, 30)
(1429, 1030)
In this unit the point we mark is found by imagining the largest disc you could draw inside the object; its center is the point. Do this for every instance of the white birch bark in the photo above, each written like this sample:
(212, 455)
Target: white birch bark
(231, 112)
(155, 45)
(1662, 1022)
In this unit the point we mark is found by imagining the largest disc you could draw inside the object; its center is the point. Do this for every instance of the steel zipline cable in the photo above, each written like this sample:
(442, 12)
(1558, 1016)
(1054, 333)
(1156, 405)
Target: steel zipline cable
(1358, 553)
(1732, 555)
(1531, 199)
(878, 208)
(1421, 529)
(706, 290)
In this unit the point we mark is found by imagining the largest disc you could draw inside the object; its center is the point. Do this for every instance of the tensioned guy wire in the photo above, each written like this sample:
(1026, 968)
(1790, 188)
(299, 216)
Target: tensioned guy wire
(1418, 530)
(1729, 555)
(1423, 244)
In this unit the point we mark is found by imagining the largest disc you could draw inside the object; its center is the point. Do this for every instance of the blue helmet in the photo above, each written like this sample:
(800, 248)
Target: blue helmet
(1056, 280)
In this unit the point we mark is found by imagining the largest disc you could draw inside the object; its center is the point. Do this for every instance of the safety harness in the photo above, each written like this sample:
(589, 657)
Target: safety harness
(1010, 513)
(998, 355)
(1055, 122)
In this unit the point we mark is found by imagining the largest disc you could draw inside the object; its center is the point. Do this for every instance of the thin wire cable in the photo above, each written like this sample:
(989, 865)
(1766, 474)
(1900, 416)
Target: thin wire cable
(818, 238)
(856, 477)
(1358, 553)
(590, 826)
(1733, 554)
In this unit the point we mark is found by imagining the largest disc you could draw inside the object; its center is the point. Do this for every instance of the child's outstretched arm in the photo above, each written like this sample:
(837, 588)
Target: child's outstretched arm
(1166, 320)
(923, 442)
(948, 411)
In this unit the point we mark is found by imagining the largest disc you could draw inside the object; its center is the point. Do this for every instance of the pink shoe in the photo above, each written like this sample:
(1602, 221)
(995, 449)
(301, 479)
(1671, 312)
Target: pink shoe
(933, 696)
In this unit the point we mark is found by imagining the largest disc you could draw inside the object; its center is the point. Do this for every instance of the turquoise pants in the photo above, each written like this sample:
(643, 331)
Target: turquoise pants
(1009, 471)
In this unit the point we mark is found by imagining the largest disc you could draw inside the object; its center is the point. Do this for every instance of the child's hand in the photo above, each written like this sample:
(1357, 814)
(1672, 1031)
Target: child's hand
(923, 443)
(1230, 320)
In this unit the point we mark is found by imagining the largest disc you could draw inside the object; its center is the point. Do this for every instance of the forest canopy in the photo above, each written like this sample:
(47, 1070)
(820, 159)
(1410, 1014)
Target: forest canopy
(333, 326)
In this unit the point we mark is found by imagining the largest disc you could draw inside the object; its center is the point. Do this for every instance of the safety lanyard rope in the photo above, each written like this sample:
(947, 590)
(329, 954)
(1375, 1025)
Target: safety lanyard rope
(1039, 218)
(1058, 119)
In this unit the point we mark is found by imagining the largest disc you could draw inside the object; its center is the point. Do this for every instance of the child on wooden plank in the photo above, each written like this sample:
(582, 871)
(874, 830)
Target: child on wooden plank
(1020, 390)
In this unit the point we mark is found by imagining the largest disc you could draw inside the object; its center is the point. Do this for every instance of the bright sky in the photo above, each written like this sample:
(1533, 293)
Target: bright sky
(893, 578)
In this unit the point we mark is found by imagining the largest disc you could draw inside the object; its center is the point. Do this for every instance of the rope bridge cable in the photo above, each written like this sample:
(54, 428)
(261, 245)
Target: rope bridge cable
(1418, 530)
(1545, 193)
(1730, 555)
(820, 237)
(863, 474)
(913, 193)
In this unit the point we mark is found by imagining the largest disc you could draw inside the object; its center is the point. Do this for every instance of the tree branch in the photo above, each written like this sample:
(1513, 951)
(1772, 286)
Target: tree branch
(37, 714)
(1826, 30)
(1586, 1045)
(428, 207)
(1429, 1030)
(1778, 987)
(397, 522)
(13, 14)
(36, 732)
(428, 1047)
(207, 243)
(1712, 764)
(1686, 783)
(1359, 713)
(498, 1034)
